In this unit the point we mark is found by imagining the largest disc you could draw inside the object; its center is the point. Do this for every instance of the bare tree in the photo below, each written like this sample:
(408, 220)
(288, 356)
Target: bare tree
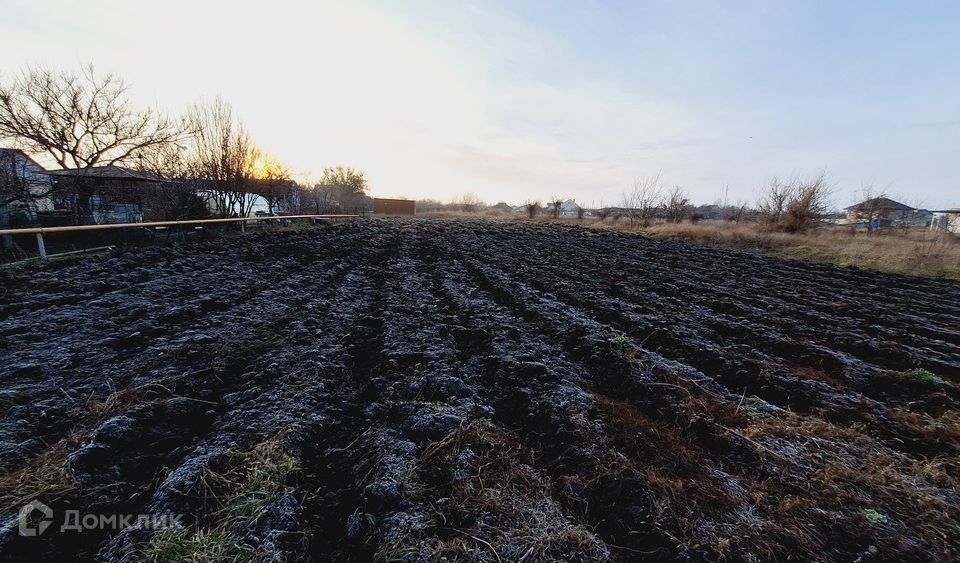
(642, 201)
(174, 197)
(870, 205)
(677, 205)
(274, 183)
(224, 158)
(169, 161)
(580, 212)
(532, 206)
(467, 202)
(603, 211)
(773, 199)
(810, 202)
(735, 212)
(79, 119)
(318, 199)
(796, 205)
(556, 202)
(345, 176)
(348, 187)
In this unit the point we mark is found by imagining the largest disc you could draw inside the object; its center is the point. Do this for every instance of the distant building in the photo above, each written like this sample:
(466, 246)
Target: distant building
(24, 187)
(272, 196)
(711, 212)
(947, 220)
(569, 208)
(24, 192)
(384, 206)
(102, 194)
(881, 212)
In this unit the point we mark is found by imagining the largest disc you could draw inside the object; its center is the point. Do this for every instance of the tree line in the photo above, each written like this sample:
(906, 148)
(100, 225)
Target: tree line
(792, 205)
(206, 158)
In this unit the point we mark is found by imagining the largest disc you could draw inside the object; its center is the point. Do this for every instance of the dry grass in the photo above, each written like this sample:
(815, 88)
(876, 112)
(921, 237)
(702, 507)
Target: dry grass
(47, 476)
(837, 482)
(916, 252)
(688, 501)
(943, 430)
(499, 507)
(245, 492)
(853, 477)
(815, 374)
(919, 253)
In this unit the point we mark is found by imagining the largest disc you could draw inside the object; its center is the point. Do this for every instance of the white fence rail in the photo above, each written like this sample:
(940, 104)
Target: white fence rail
(40, 231)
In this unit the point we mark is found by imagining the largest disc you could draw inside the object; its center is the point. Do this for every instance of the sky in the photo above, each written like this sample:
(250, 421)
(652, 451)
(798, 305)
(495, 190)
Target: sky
(517, 100)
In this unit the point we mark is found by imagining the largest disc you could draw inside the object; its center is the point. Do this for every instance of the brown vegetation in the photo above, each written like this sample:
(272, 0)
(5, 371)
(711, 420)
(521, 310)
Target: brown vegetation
(796, 205)
(920, 253)
(531, 206)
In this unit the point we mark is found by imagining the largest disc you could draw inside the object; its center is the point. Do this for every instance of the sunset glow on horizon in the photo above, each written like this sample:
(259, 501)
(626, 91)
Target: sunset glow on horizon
(528, 100)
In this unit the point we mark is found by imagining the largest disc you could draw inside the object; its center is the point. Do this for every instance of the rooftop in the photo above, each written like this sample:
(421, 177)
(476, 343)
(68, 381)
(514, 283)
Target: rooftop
(878, 203)
(109, 171)
(17, 153)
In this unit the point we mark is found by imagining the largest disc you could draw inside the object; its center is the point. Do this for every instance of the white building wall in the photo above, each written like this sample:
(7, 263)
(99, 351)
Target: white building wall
(38, 179)
(946, 221)
(259, 204)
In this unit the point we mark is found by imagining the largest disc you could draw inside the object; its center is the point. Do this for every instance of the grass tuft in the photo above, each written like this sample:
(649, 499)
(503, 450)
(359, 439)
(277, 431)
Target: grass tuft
(924, 377)
(255, 481)
(874, 516)
(619, 339)
(176, 545)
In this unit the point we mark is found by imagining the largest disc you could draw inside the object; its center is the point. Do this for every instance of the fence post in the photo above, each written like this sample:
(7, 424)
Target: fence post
(40, 247)
(243, 227)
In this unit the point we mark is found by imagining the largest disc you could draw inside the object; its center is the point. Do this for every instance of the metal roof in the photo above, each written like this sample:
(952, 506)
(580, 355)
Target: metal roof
(109, 171)
(878, 203)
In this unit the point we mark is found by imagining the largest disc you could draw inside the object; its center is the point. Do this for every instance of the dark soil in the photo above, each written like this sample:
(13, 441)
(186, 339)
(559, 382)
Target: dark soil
(483, 391)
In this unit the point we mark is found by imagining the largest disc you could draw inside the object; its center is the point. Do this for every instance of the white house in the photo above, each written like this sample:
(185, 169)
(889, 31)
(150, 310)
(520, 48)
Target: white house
(571, 208)
(257, 203)
(947, 220)
(16, 166)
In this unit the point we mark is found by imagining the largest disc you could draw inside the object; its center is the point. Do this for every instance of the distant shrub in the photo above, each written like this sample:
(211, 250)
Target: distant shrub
(676, 205)
(556, 204)
(794, 206)
(532, 207)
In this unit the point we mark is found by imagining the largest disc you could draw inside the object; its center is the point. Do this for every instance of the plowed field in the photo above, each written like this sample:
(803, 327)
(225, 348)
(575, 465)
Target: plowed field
(486, 391)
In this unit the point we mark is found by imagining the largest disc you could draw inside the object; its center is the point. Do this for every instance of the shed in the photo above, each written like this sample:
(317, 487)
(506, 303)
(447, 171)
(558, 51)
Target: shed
(385, 206)
(106, 194)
